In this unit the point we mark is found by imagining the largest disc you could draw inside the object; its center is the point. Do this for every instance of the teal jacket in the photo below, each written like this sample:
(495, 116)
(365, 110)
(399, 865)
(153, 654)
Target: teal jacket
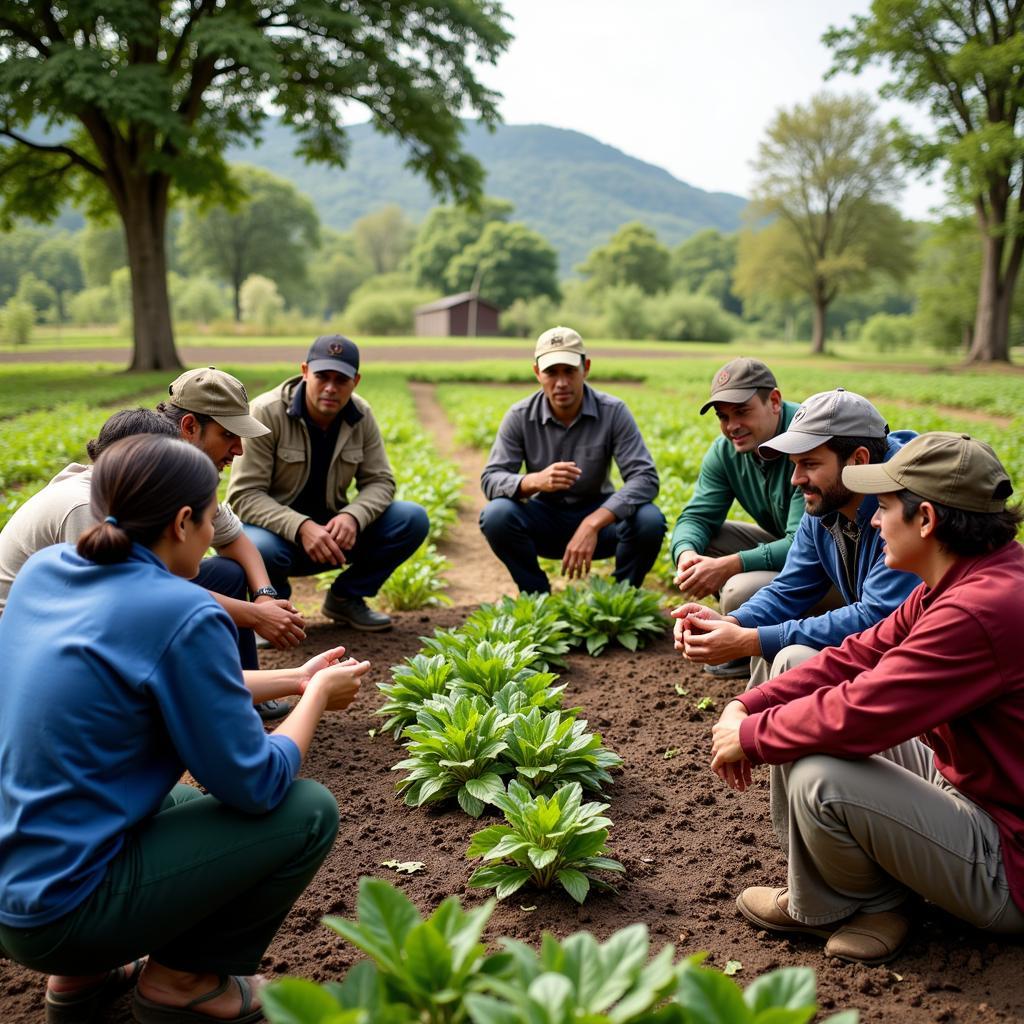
(762, 488)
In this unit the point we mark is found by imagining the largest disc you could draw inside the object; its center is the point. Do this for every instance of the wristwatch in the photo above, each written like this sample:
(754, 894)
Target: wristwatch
(264, 592)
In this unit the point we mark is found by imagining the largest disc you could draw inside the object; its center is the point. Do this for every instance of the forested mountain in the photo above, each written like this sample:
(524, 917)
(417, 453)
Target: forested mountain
(571, 188)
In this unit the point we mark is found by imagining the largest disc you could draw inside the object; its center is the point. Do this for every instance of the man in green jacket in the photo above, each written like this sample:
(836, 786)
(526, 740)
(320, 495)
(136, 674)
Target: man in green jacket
(290, 487)
(724, 557)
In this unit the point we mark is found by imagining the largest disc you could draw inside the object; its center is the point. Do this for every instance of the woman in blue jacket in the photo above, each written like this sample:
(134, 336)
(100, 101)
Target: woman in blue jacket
(119, 676)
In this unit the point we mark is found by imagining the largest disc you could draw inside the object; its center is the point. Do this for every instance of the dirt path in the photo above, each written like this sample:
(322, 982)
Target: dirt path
(476, 574)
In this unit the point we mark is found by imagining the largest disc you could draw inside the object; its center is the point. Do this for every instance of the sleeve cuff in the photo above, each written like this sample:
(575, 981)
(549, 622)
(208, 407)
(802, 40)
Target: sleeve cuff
(290, 751)
(747, 727)
(771, 641)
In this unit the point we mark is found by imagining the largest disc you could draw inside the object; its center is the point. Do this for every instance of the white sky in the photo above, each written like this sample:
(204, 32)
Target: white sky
(688, 85)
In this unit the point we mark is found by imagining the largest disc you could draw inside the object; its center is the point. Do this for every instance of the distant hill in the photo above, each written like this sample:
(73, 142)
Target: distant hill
(571, 188)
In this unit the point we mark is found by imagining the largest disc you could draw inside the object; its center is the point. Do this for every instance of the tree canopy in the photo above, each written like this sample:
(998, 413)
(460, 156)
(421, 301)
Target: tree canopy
(633, 255)
(271, 230)
(824, 173)
(962, 59)
(140, 100)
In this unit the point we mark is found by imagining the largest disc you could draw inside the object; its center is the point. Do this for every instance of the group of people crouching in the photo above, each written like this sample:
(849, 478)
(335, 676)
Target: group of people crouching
(874, 608)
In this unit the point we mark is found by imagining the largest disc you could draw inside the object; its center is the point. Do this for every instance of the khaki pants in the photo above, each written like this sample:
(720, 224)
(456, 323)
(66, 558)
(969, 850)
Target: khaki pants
(862, 833)
(731, 539)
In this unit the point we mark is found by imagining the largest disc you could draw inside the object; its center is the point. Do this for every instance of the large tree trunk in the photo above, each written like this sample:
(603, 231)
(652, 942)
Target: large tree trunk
(145, 221)
(818, 333)
(991, 325)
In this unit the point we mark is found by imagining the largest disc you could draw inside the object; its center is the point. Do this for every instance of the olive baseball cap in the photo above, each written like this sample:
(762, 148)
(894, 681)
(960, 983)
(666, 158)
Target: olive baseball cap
(216, 394)
(559, 345)
(953, 469)
(738, 381)
(334, 352)
(828, 414)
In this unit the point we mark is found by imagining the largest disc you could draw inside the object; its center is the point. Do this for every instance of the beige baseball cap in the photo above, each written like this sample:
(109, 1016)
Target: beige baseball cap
(218, 395)
(738, 381)
(559, 345)
(953, 469)
(828, 414)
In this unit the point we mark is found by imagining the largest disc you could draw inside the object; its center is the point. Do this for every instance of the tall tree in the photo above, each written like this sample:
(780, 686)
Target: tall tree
(963, 59)
(384, 237)
(271, 230)
(510, 261)
(633, 255)
(446, 232)
(141, 98)
(704, 265)
(824, 173)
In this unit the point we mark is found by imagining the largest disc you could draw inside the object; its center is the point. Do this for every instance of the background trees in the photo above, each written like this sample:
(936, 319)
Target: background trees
(633, 255)
(142, 98)
(824, 173)
(963, 60)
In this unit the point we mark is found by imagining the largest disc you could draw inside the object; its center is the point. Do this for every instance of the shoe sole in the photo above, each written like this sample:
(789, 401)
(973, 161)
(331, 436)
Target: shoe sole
(795, 929)
(335, 617)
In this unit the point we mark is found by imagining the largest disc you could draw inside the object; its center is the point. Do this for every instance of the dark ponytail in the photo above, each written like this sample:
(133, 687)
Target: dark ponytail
(138, 485)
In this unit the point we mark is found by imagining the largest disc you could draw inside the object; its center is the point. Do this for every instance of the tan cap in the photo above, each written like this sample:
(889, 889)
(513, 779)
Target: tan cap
(216, 394)
(559, 345)
(828, 414)
(738, 381)
(953, 469)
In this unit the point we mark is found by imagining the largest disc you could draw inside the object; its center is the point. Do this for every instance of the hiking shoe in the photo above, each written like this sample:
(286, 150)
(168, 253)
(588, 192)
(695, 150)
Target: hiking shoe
(768, 908)
(354, 612)
(272, 710)
(738, 668)
(869, 938)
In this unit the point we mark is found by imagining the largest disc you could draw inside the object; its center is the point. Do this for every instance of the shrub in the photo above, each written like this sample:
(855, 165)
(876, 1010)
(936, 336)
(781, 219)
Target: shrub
(887, 332)
(17, 319)
(93, 306)
(260, 301)
(200, 300)
(626, 310)
(678, 316)
(385, 312)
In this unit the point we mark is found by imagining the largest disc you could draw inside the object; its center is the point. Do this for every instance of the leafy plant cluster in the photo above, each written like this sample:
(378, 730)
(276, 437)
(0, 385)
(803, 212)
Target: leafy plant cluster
(437, 971)
(484, 724)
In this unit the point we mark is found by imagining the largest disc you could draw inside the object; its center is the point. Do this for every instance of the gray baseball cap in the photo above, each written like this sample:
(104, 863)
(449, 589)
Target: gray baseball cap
(738, 381)
(828, 414)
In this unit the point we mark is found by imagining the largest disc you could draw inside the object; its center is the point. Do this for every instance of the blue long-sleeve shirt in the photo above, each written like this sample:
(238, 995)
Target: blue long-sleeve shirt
(813, 565)
(116, 679)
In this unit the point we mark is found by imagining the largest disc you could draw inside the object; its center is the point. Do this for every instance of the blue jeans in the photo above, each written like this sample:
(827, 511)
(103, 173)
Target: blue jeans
(520, 531)
(378, 551)
(226, 577)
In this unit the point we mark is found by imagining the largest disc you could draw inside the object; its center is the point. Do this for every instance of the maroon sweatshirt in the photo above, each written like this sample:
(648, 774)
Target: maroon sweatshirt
(947, 666)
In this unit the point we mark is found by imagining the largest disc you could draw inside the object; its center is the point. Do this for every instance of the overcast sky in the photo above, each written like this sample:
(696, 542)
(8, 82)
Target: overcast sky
(688, 85)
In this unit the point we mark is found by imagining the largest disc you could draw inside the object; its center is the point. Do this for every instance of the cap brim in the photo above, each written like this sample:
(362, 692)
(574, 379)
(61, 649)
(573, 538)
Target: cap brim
(735, 397)
(318, 365)
(242, 426)
(792, 442)
(559, 358)
(871, 479)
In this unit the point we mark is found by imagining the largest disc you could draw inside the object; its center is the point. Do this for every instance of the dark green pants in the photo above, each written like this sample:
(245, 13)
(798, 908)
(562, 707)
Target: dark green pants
(199, 887)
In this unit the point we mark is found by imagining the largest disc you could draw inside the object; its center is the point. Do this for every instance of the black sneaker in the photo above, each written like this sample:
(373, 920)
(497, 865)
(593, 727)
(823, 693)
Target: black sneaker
(354, 612)
(272, 710)
(738, 668)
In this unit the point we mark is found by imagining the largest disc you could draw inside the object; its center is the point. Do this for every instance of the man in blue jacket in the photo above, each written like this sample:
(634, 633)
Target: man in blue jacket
(835, 545)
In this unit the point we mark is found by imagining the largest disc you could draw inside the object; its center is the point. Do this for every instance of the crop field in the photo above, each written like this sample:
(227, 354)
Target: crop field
(547, 752)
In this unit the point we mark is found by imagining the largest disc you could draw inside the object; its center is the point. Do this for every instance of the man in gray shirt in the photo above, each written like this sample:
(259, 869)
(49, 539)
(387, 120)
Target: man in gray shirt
(564, 505)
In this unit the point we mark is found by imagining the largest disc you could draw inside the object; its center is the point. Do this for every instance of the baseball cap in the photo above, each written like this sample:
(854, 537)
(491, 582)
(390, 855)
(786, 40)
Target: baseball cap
(559, 345)
(334, 352)
(738, 381)
(828, 414)
(953, 469)
(216, 394)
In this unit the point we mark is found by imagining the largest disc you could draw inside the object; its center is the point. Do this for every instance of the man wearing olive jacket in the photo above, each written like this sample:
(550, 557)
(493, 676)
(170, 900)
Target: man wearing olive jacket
(290, 487)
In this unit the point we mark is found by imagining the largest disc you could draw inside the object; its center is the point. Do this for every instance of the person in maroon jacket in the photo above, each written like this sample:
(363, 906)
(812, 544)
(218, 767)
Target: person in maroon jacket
(904, 747)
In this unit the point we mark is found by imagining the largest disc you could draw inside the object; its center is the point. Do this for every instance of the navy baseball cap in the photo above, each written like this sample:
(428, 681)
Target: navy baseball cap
(333, 352)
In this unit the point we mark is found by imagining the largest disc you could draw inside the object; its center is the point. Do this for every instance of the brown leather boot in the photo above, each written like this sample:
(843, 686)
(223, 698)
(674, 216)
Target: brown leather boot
(768, 908)
(869, 938)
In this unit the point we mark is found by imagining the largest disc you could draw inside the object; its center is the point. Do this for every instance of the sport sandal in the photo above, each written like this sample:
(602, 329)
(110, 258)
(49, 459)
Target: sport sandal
(145, 1011)
(81, 1005)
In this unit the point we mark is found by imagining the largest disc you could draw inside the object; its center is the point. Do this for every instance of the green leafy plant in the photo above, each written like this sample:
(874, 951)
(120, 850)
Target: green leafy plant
(453, 751)
(484, 669)
(534, 691)
(549, 750)
(547, 840)
(527, 619)
(606, 611)
(412, 684)
(417, 583)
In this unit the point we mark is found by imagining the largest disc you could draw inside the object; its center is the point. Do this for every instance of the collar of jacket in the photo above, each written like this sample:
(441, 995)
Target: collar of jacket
(350, 413)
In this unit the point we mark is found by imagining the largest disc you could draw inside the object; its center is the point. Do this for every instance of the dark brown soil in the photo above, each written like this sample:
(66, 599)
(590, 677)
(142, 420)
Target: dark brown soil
(689, 844)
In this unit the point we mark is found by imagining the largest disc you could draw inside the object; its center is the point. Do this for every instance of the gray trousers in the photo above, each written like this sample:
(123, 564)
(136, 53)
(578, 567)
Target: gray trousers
(731, 539)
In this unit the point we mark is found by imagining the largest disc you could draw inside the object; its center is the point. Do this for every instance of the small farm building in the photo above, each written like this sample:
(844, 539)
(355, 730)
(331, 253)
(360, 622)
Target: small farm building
(453, 316)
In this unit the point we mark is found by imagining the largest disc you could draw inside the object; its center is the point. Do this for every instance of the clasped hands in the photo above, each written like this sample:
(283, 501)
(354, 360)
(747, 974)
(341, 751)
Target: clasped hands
(329, 543)
(706, 636)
